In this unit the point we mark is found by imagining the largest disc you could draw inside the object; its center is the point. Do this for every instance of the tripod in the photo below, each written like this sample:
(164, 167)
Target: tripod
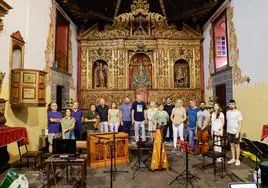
(113, 170)
(137, 164)
(186, 172)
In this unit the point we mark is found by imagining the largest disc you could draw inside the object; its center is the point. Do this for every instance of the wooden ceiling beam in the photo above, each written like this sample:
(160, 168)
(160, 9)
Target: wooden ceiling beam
(192, 12)
(161, 2)
(98, 15)
(117, 7)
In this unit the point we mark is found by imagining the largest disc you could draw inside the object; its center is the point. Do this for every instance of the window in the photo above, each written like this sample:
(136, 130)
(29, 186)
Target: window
(221, 46)
(220, 42)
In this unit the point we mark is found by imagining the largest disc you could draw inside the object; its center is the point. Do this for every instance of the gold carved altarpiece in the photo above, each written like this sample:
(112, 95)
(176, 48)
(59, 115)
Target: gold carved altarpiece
(139, 40)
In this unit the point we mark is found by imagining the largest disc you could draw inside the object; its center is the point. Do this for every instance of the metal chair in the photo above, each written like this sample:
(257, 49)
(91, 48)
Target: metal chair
(219, 141)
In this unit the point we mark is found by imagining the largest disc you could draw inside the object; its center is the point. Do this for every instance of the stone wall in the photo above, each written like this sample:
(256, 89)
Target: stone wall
(60, 78)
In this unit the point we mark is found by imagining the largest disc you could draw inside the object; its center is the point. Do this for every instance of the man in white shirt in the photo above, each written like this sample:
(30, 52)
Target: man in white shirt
(234, 121)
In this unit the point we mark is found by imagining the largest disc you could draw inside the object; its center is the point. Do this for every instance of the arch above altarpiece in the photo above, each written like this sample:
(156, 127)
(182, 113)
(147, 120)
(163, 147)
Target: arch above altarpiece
(118, 43)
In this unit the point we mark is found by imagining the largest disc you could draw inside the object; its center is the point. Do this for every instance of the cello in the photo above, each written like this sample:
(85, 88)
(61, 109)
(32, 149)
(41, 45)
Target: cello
(202, 145)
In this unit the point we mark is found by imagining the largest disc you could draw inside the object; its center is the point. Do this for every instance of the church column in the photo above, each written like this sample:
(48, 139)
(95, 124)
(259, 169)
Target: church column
(79, 71)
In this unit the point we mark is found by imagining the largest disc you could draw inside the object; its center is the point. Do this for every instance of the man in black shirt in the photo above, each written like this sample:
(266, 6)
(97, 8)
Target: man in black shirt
(168, 108)
(139, 117)
(102, 110)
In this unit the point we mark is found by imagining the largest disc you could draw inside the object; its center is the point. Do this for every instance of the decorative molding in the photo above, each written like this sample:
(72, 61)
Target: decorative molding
(211, 59)
(158, 95)
(17, 36)
(238, 77)
(16, 41)
(4, 8)
(140, 23)
(28, 87)
(50, 48)
(118, 43)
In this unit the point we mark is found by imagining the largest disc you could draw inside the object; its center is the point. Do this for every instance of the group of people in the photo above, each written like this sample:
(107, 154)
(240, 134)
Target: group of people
(101, 118)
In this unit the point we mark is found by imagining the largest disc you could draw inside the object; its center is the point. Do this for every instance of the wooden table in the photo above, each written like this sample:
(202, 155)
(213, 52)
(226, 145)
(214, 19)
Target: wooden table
(78, 161)
(99, 149)
(12, 134)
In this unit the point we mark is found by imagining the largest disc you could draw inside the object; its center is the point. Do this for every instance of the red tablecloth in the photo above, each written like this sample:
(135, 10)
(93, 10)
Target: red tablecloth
(264, 132)
(12, 134)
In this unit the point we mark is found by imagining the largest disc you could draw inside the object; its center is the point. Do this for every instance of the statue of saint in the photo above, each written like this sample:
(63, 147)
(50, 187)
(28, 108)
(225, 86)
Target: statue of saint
(100, 76)
(141, 77)
(181, 77)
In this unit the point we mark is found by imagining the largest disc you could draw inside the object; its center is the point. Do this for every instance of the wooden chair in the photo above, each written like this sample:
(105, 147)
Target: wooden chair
(219, 141)
(27, 154)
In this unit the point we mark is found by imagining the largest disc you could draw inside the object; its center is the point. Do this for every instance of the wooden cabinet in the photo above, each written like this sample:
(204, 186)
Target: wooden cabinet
(28, 87)
(99, 149)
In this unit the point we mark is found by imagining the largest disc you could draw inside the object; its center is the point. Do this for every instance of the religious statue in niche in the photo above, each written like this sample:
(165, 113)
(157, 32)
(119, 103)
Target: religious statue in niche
(181, 74)
(141, 77)
(100, 74)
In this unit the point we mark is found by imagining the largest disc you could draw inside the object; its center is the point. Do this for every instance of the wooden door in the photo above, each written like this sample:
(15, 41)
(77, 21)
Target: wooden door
(221, 94)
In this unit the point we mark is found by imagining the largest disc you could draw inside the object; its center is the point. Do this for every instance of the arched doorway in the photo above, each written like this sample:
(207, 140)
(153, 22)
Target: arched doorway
(181, 74)
(100, 74)
(140, 62)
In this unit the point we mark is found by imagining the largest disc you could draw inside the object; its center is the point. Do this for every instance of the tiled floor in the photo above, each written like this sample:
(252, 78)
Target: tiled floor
(145, 178)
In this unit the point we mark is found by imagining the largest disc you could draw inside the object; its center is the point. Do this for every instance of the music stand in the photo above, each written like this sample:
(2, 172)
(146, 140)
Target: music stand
(254, 149)
(137, 164)
(113, 170)
(188, 175)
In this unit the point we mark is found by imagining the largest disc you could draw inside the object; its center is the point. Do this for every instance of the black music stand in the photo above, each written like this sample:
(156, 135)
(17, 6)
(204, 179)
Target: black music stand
(137, 164)
(252, 147)
(185, 175)
(113, 170)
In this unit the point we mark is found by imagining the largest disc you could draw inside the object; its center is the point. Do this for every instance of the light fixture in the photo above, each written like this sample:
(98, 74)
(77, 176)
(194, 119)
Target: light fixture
(248, 79)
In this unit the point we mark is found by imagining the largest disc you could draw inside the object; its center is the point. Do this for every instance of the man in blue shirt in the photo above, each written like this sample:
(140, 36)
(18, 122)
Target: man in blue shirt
(191, 121)
(54, 126)
(125, 116)
(139, 117)
(78, 116)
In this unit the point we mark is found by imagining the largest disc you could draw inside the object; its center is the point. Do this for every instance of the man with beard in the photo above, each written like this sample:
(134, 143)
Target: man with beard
(168, 107)
(125, 116)
(234, 121)
(191, 121)
(203, 118)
